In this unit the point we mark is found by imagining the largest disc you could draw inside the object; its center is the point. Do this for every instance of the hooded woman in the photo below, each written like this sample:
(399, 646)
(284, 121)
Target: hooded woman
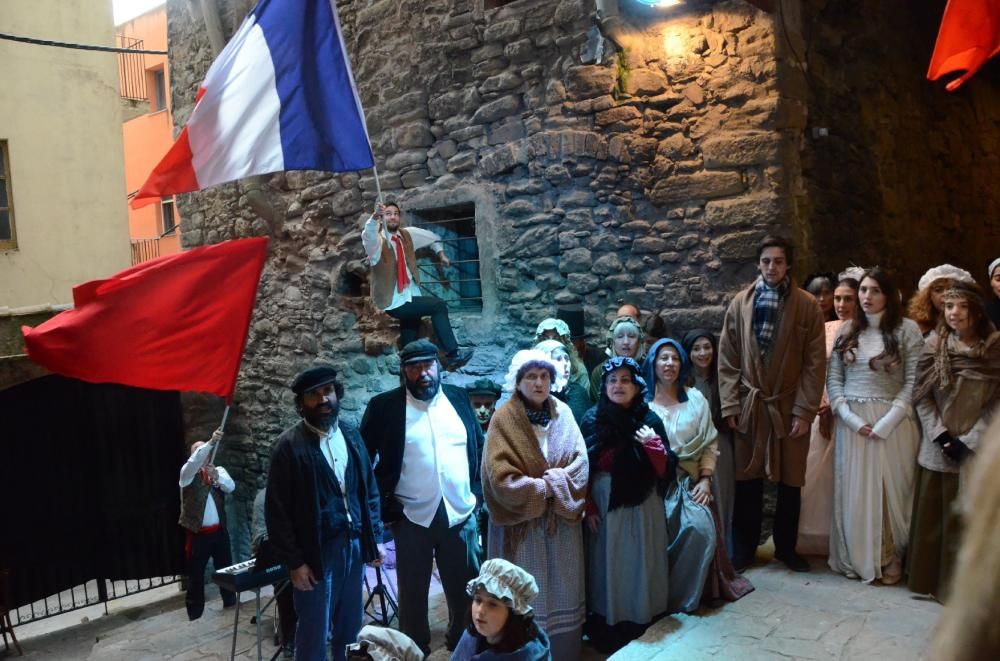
(627, 569)
(535, 475)
(557, 329)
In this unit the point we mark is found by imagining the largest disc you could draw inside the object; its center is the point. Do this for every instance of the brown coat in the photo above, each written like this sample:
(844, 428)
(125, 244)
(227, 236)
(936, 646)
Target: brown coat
(383, 274)
(766, 397)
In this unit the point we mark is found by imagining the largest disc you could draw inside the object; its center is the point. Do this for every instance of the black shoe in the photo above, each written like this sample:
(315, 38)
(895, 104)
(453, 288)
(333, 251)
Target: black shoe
(793, 561)
(457, 359)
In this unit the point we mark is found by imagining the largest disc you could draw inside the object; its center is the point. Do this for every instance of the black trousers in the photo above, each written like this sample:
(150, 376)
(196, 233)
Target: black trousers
(410, 314)
(214, 545)
(286, 614)
(748, 514)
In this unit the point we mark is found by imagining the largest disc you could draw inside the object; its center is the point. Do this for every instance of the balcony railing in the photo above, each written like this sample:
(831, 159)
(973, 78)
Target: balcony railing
(144, 250)
(131, 70)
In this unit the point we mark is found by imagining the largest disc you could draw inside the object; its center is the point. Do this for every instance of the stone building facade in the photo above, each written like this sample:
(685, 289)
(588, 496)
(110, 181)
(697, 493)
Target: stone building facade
(607, 152)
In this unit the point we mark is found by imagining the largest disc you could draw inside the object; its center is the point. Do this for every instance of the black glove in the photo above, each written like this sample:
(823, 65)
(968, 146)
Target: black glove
(956, 450)
(943, 439)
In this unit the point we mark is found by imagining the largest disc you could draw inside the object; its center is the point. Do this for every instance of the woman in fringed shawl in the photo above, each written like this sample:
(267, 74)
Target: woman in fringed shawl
(958, 387)
(535, 475)
(627, 569)
(702, 348)
(699, 565)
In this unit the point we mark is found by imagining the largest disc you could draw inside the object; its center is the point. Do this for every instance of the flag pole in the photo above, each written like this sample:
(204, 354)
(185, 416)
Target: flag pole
(222, 427)
(378, 185)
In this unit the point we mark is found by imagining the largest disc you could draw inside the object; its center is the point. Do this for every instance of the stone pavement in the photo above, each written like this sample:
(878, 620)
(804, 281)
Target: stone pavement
(816, 616)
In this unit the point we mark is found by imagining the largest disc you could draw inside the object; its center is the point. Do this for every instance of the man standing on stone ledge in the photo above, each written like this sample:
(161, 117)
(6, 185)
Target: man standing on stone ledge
(772, 366)
(429, 446)
(203, 515)
(395, 282)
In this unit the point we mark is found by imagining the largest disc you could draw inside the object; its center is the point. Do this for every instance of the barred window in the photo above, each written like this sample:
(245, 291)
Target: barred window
(459, 286)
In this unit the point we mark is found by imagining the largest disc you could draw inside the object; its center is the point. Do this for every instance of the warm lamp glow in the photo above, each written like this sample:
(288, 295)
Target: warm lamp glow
(661, 3)
(675, 44)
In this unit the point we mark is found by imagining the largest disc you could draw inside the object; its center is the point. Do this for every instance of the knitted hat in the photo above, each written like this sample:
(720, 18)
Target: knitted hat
(558, 325)
(945, 271)
(312, 378)
(523, 361)
(418, 351)
(484, 387)
(507, 582)
(993, 267)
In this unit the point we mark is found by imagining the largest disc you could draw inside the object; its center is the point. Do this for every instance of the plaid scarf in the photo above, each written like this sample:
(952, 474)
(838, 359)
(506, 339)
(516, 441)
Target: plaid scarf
(766, 311)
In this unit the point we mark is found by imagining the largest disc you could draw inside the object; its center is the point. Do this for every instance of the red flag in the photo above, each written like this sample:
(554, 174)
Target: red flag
(969, 35)
(174, 323)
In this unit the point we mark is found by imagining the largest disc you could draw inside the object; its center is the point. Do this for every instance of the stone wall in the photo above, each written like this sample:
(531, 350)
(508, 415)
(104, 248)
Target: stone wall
(645, 176)
(907, 177)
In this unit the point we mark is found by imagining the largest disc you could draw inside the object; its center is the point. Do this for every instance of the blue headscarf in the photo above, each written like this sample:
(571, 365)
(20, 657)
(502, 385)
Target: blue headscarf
(649, 369)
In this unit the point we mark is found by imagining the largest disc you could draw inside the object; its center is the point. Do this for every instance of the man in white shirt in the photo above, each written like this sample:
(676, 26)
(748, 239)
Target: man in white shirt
(429, 446)
(203, 515)
(395, 279)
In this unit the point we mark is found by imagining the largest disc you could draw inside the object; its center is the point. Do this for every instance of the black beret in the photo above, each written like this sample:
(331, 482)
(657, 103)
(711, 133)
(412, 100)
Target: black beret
(312, 378)
(484, 387)
(417, 351)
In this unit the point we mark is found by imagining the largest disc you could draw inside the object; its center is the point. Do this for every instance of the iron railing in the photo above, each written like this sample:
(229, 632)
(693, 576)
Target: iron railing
(144, 250)
(131, 70)
(91, 593)
(457, 235)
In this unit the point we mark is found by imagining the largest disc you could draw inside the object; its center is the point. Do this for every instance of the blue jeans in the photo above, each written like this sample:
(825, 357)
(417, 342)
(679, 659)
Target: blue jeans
(333, 608)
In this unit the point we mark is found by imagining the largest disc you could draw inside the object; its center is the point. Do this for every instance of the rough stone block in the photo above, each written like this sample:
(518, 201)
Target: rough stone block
(697, 186)
(494, 110)
(525, 187)
(347, 203)
(403, 159)
(694, 93)
(521, 208)
(445, 105)
(503, 159)
(462, 161)
(607, 264)
(499, 83)
(584, 82)
(506, 132)
(414, 178)
(412, 135)
(649, 244)
(536, 242)
(487, 52)
(675, 147)
(619, 282)
(446, 148)
(576, 198)
(646, 82)
(582, 283)
(738, 246)
(738, 148)
(577, 260)
(687, 241)
(624, 116)
(751, 210)
(519, 51)
(503, 31)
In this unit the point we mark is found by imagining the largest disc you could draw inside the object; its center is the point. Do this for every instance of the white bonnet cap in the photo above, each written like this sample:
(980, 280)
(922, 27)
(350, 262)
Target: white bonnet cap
(520, 359)
(507, 582)
(945, 271)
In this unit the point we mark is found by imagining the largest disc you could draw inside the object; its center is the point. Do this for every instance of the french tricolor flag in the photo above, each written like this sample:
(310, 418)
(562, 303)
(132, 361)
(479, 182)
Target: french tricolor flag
(280, 96)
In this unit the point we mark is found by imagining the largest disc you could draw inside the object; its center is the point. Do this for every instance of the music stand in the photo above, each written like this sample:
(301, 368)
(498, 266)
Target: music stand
(386, 611)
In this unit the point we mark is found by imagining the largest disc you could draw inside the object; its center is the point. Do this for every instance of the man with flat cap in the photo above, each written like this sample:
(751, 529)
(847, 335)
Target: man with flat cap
(323, 519)
(483, 395)
(429, 446)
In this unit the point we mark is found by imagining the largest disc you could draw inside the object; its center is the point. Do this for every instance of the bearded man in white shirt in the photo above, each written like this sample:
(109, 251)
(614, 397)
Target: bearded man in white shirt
(429, 446)
(395, 279)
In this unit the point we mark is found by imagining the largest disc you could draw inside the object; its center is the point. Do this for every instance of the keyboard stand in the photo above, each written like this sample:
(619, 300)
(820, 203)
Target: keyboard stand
(236, 624)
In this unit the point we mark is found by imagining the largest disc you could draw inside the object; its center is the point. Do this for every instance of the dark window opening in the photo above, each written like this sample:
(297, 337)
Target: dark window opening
(169, 219)
(8, 240)
(493, 4)
(459, 285)
(160, 87)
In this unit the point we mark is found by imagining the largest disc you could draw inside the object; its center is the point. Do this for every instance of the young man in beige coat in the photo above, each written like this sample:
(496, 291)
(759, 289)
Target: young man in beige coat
(772, 365)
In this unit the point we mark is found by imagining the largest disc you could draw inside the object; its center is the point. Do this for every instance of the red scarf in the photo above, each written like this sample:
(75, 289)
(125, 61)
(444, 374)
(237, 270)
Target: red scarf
(402, 279)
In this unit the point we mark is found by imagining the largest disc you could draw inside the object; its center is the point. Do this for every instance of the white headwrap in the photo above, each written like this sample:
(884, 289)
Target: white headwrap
(519, 360)
(853, 272)
(945, 271)
(993, 267)
(549, 347)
